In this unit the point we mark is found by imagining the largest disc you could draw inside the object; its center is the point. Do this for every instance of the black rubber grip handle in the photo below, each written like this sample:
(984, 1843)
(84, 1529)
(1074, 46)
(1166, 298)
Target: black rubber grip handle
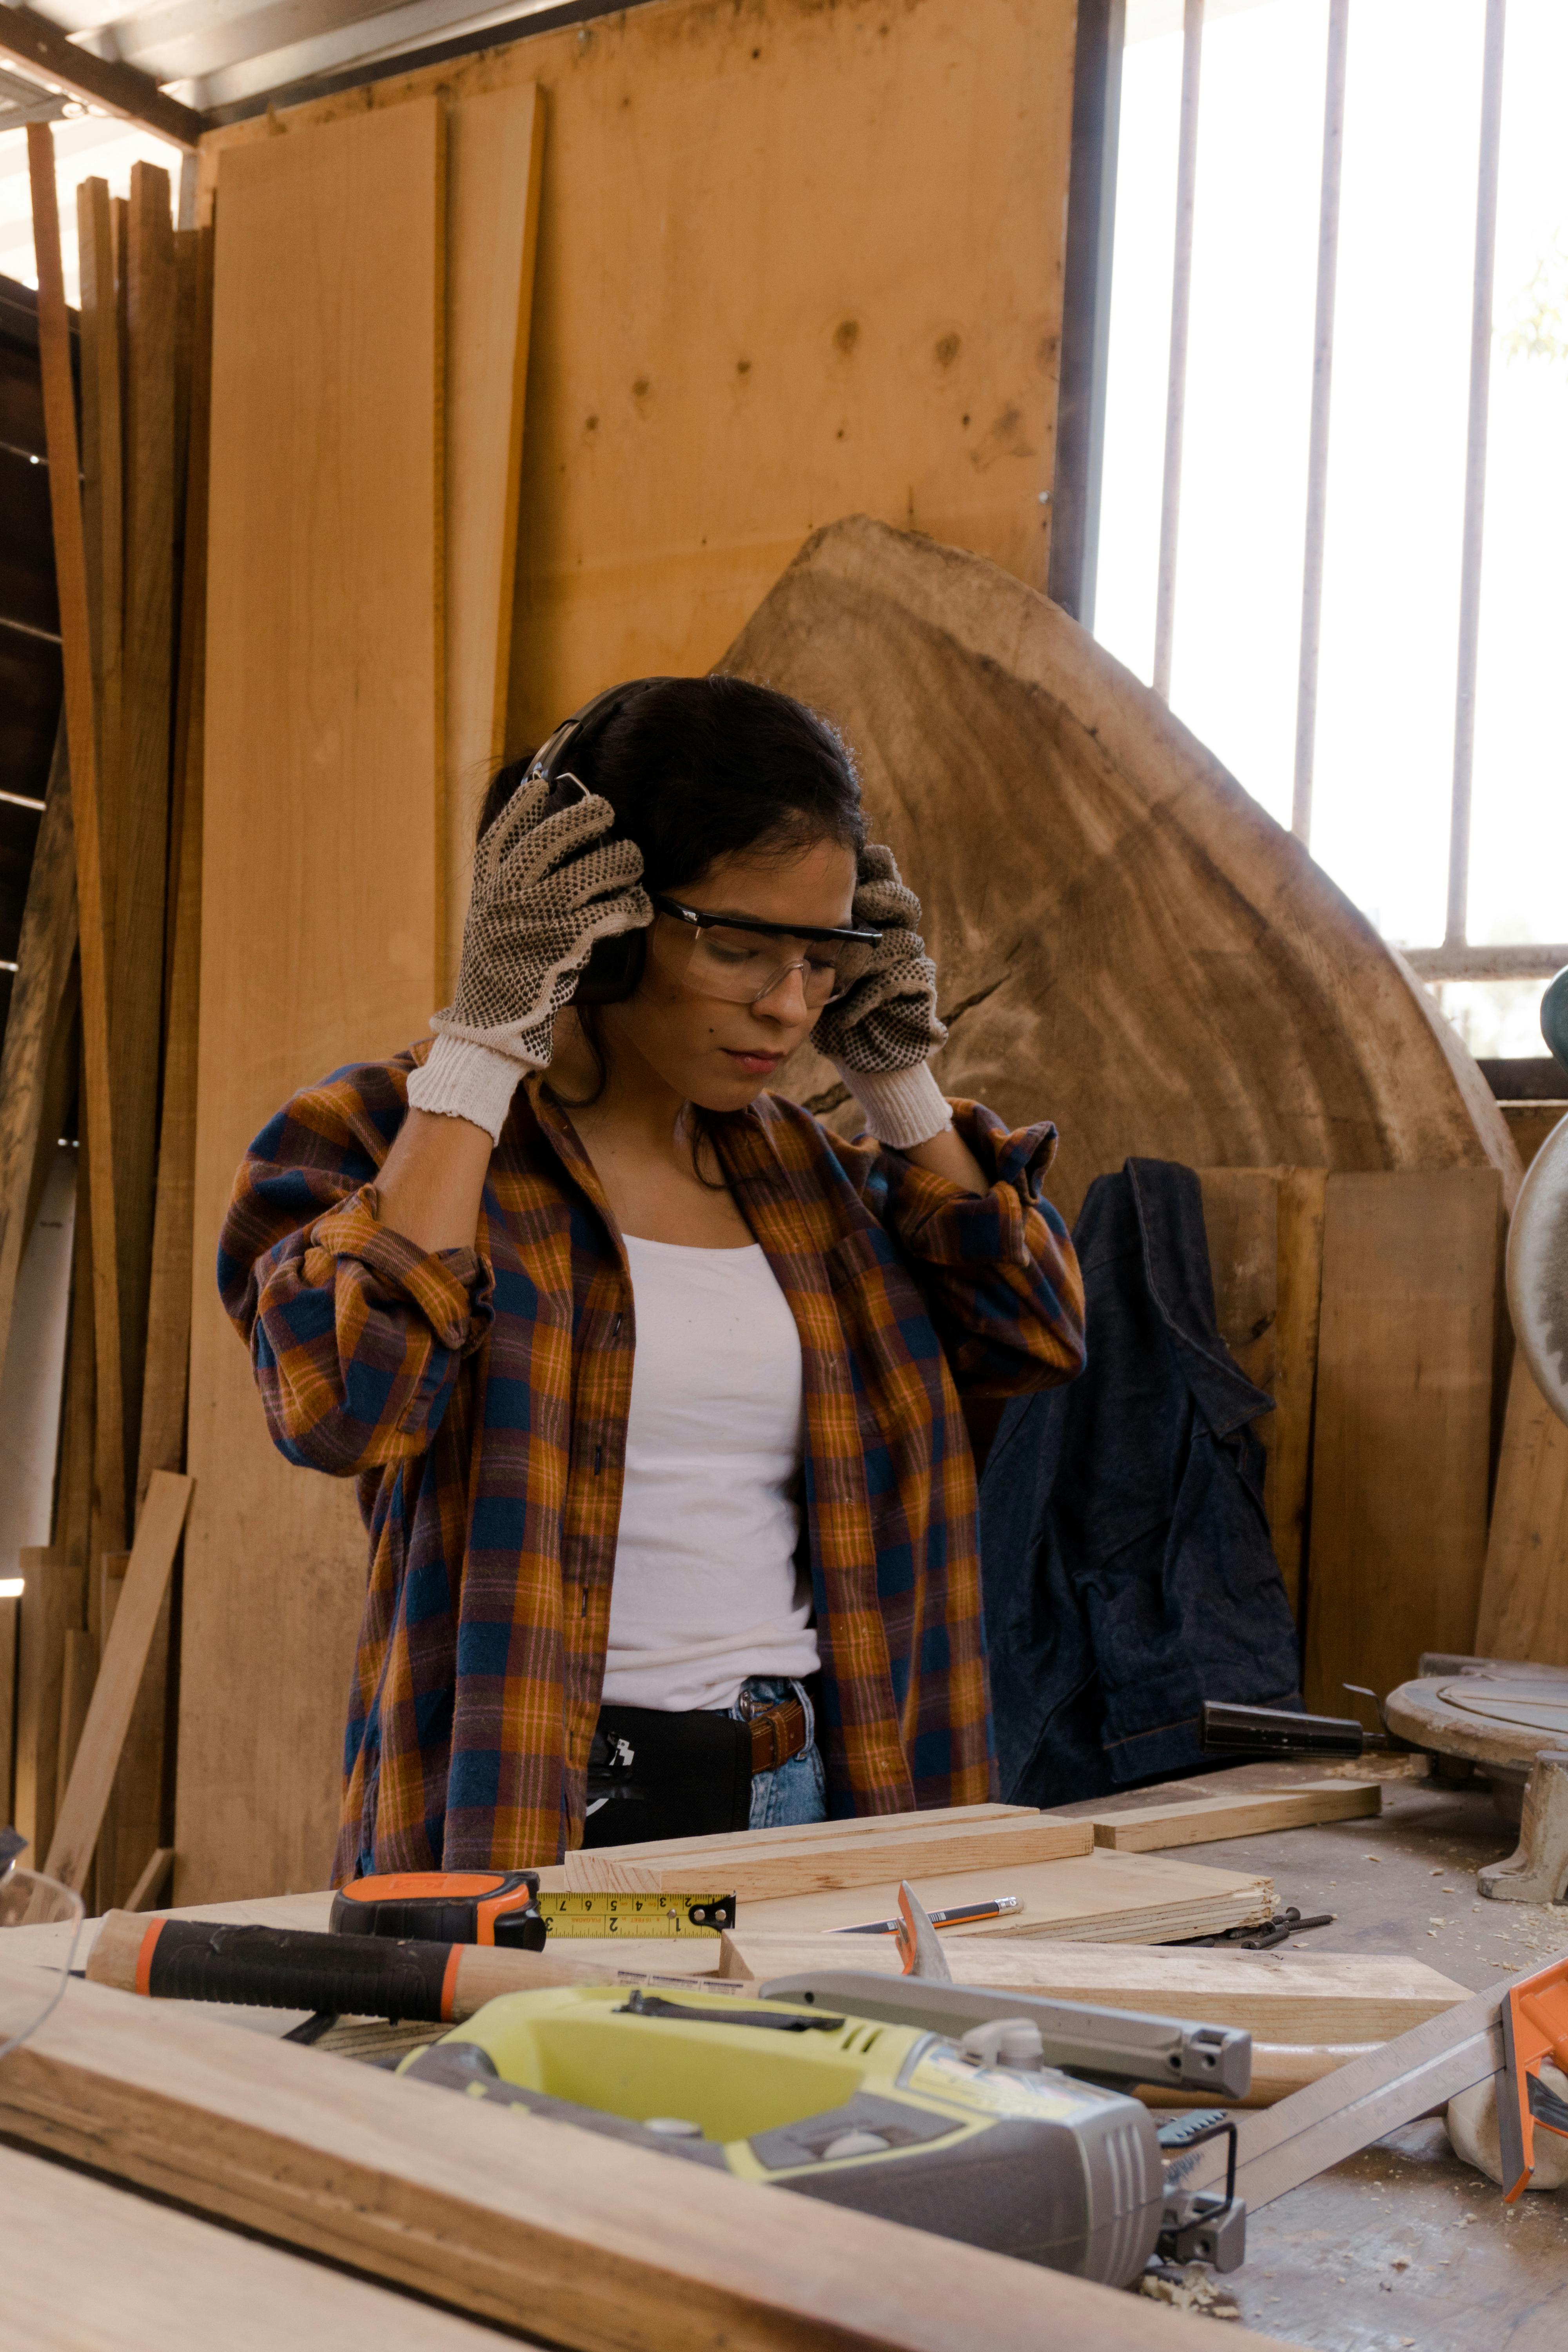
(291, 1968)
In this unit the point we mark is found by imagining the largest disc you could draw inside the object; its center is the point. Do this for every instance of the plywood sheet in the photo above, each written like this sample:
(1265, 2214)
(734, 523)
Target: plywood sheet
(1524, 1590)
(794, 262)
(1404, 1425)
(760, 1873)
(320, 911)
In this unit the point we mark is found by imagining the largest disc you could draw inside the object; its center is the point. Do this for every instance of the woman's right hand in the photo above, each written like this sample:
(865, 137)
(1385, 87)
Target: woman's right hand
(547, 886)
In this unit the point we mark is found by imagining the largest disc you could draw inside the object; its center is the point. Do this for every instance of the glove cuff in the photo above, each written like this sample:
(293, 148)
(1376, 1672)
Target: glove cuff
(904, 1106)
(462, 1080)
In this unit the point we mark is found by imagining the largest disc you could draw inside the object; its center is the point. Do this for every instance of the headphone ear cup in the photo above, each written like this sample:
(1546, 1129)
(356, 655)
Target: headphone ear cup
(612, 970)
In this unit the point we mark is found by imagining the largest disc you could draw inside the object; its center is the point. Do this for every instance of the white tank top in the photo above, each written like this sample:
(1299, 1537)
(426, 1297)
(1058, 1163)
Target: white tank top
(705, 1591)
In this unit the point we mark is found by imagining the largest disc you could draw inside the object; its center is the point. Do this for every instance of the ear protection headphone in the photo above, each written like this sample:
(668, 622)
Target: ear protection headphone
(615, 965)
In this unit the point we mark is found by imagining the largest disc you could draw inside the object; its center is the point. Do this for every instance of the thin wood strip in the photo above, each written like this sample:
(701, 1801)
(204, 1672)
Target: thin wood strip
(48, 1608)
(103, 490)
(150, 1882)
(40, 1004)
(9, 1614)
(501, 2214)
(1199, 1820)
(76, 646)
(140, 876)
(120, 1676)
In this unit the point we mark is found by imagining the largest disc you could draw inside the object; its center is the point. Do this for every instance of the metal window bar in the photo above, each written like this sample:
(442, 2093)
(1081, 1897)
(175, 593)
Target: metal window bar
(1177, 379)
(1475, 476)
(1086, 308)
(1317, 437)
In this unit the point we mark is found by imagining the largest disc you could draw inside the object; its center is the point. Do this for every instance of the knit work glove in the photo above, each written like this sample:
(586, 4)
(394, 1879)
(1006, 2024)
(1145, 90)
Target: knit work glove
(878, 1034)
(546, 887)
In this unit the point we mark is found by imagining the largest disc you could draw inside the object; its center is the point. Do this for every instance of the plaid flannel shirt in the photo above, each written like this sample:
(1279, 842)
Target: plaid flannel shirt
(480, 1397)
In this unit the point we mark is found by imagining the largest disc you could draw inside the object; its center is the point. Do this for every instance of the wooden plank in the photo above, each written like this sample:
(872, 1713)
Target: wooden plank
(499, 2215)
(495, 152)
(1404, 1424)
(39, 1008)
(50, 1606)
(79, 1670)
(1240, 1216)
(81, 1815)
(1203, 1820)
(1530, 1124)
(322, 753)
(157, 2277)
(92, 909)
(1100, 1897)
(141, 843)
(767, 1874)
(948, 1817)
(103, 483)
(1523, 1610)
(1285, 1998)
(135, 1820)
(1299, 1215)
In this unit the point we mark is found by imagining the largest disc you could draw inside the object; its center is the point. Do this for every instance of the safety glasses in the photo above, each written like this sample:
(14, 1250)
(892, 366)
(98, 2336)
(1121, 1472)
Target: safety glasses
(743, 959)
(29, 1899)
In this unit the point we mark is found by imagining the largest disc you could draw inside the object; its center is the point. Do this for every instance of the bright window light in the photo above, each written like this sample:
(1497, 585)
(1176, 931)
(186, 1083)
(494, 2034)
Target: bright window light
(11, 1586)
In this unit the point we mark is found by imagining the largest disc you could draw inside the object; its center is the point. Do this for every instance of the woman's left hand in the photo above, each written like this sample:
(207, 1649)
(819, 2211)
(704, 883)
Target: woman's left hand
(880, 1033)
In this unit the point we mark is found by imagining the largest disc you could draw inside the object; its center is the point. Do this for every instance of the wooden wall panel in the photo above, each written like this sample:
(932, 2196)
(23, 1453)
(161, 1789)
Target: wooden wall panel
(794, 262)
(320, 887)
(1404, 1424)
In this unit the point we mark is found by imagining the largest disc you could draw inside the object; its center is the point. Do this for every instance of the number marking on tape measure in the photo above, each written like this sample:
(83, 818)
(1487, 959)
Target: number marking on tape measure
(637, 1914)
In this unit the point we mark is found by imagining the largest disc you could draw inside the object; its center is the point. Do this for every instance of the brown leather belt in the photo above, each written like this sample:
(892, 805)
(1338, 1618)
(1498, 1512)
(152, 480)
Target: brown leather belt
(778, 1732)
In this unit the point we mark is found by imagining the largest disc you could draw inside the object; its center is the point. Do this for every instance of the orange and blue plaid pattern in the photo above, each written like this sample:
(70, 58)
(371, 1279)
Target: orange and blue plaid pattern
(480, 1396)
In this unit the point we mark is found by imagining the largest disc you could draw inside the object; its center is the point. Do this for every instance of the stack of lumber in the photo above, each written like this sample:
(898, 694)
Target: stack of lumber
(115, 882)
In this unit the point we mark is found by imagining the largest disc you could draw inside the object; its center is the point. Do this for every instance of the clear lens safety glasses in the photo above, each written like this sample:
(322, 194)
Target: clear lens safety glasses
(742, 960)
(31, 1990)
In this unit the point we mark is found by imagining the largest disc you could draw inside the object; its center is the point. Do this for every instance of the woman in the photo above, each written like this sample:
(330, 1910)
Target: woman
(650, 1382)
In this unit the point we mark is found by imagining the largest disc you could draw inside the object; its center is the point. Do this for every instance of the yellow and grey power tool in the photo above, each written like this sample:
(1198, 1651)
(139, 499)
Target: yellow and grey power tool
(991, 2117)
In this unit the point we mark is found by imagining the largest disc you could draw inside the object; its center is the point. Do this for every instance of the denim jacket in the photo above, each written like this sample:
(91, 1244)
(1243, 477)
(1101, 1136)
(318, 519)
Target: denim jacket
(1127, 1568)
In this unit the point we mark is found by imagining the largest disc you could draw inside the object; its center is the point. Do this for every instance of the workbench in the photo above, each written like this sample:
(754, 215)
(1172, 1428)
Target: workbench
(1402, 2249)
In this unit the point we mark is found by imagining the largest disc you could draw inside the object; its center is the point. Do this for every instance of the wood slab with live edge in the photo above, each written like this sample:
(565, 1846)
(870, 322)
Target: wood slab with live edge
(756, 1872)
(505, 2216)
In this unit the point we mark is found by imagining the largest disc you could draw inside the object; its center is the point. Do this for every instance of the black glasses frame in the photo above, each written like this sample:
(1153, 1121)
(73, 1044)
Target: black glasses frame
(701, 921)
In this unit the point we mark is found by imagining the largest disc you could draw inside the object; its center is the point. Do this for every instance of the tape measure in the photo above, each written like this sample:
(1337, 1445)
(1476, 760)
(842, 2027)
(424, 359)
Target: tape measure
(637, 1915)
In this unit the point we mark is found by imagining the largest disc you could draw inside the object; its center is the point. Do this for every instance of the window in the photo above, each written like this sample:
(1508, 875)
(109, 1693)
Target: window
(1320, 334)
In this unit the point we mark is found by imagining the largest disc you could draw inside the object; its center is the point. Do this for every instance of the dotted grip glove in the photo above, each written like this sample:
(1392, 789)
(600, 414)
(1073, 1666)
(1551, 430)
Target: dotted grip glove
(878, 1034)
(547, 886)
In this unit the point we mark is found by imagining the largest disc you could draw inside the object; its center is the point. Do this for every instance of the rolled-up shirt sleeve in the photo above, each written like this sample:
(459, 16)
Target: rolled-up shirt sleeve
(999, 1272)
(356, 1335)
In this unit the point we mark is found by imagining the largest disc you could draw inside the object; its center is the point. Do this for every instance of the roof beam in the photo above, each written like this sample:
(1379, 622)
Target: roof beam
(33, 42)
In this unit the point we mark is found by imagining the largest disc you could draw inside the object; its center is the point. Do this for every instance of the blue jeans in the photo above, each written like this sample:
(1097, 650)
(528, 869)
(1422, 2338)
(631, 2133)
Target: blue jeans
(795, 1790)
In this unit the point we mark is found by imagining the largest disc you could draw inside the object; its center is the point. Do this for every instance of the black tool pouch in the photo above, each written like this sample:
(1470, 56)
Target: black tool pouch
(652, 1775)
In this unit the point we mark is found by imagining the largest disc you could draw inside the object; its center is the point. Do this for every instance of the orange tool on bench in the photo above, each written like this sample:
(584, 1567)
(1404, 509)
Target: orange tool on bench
(1534, 2026)
(444, 1906)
